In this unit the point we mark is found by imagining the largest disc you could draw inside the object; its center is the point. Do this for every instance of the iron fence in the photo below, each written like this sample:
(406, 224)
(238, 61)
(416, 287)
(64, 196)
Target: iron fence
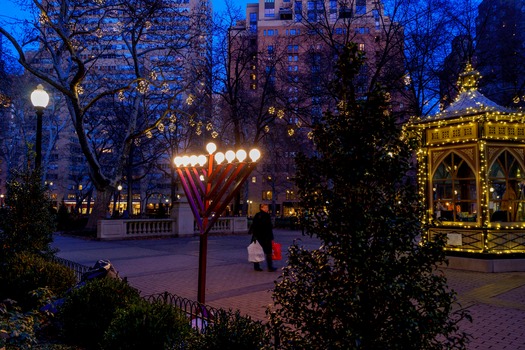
(200, 315)
(77, 268)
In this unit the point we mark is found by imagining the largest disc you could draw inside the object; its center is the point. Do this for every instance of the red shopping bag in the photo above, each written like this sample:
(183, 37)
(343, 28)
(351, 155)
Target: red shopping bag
(276, 251)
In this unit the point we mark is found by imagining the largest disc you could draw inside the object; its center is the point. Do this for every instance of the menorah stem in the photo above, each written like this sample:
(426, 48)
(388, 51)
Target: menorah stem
(203, 252)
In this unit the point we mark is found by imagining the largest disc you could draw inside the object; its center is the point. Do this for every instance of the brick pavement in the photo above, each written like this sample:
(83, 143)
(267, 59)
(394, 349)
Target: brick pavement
(496, 300)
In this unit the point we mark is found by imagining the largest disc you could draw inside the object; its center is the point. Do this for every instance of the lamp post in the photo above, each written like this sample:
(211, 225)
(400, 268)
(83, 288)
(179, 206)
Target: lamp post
(209, 188)
(249, 206)
(119, 188)
(80, 198)
(39, 99)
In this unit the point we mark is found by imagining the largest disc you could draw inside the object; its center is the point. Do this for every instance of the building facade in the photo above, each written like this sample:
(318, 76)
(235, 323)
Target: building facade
(294, 47)
(500, 51)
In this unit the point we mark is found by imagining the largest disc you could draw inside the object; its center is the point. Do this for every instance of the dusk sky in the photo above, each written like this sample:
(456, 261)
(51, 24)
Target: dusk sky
(9, 9)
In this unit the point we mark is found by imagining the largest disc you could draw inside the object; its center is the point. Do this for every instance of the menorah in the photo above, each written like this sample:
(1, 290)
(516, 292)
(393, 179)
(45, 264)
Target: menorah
(210, 183)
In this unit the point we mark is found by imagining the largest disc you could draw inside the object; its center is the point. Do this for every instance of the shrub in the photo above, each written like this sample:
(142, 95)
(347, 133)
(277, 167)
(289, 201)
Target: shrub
(28, 222)
(372, 284)
(19, 329)
(232, 331)
(24, 272)
(88, 311)
(144, 325)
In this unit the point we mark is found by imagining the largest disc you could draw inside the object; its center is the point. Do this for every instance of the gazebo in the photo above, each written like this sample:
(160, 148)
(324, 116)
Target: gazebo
(471, 173)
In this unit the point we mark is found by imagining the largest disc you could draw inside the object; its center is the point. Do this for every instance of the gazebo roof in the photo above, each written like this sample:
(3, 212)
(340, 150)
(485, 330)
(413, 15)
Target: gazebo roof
(469, 101)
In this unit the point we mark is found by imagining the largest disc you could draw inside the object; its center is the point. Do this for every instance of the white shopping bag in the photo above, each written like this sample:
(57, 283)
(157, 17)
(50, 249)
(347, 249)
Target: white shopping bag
(255, 252)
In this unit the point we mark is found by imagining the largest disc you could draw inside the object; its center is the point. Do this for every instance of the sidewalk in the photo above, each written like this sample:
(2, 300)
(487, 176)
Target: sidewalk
(496, 300)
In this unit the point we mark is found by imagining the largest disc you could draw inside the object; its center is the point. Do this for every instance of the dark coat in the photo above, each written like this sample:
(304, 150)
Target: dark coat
(262, 230)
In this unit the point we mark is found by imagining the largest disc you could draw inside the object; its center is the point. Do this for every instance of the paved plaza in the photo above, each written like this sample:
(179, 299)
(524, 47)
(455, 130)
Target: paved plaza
(496, 300)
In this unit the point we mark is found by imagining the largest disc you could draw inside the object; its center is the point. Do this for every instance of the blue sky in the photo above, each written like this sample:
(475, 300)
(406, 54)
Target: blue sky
(9, 9)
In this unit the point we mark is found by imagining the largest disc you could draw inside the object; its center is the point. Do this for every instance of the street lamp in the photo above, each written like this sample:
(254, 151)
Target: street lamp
(210, 183)
(39, 99)
(80, 199)
(119, 188)
(249, 205)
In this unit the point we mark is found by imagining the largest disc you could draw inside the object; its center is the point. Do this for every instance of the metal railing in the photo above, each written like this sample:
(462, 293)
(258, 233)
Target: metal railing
(200, 315)
(77, 268)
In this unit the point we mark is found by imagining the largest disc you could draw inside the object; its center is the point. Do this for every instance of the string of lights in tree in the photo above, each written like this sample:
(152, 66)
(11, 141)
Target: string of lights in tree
(107, 31)
(280, 114)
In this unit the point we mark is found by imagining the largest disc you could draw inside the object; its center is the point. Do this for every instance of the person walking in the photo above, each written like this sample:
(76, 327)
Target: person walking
(262, 231)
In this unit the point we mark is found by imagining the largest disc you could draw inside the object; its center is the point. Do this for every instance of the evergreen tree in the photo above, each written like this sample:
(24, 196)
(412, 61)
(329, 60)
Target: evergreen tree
(373, 283)
(29, 221)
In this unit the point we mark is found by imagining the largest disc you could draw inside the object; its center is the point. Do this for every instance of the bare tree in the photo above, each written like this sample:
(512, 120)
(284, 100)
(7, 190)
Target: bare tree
(405, 43)
(246, 85)
(121, 66)
(430, 28)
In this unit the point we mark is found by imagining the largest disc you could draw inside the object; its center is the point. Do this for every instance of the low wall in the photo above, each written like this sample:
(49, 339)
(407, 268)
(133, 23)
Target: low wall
(486, 265)
(134, 228)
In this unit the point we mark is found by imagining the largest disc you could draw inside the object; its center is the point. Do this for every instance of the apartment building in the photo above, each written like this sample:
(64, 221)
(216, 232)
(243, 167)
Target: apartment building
(500, 51)
(294, 45)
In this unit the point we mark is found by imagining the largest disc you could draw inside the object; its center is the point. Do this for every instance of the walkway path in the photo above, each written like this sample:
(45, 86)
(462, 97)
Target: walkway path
(496, 300)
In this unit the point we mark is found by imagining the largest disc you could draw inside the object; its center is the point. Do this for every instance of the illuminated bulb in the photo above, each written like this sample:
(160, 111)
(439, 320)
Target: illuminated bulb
(178, 161)
(202, 160)
(193, 160)
(241, 155)
(255, 155)
(230, 156)
(39, 97)
(219, 157)
(211, 148)
(185, 160)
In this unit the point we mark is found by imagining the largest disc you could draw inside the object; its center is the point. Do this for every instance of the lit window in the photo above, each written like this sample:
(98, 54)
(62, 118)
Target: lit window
(254, 179)
(454, 190)
(267, 195)
(506, 189)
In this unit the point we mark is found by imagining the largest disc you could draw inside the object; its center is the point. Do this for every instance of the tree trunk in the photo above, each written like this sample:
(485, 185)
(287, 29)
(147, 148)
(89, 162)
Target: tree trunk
(99, 208)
